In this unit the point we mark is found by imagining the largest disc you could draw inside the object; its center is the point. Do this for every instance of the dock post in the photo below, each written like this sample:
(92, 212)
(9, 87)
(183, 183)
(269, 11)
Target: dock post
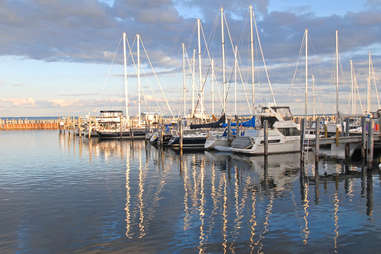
(363, 138)
(317, 137)
(181, 134)
(370, 142)
(120, 127)
(347, 145)
(161, 131)
(347, 127)
(302, 131)
(79, 127)
(90, 130)
(337, 135)
(237, 125)
(229, 130)
(266, 138)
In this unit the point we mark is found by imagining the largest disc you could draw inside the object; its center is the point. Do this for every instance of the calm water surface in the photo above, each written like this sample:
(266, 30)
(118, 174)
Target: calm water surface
(61, 194)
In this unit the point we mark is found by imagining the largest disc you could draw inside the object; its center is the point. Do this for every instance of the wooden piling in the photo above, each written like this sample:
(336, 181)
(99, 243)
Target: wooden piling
(302, 137)
(181, 138)
(161, 131)
(265, 137)
(317, 138)
(230, 138)
(120, 127)
(363, 138)
(370, 142)
(237, 125)
(337, 135)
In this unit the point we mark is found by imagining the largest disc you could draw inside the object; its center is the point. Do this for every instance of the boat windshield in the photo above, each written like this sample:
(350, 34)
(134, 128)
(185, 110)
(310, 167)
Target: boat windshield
(284, 112)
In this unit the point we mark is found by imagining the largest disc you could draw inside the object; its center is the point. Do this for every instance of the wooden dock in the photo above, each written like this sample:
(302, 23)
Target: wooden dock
(25, 124)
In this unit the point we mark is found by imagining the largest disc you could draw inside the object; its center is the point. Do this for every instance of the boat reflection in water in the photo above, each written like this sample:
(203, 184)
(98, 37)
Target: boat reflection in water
(225, 203)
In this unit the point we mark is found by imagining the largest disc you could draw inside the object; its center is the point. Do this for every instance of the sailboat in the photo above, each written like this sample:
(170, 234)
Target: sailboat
(113, 124)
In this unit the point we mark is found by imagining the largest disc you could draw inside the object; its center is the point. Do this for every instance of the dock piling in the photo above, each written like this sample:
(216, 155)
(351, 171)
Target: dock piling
(363, 138)
(302, 136)
(266, 138)
(370, 145)
(230, 138)
(181, 134)
(317, 137)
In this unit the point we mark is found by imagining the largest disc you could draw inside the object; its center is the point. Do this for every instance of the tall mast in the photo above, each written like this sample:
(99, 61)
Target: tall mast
(314, 96)
(200, 67)
(125, 76)
(193, 78)
(306, 86)
(252, 55)
(138, 74)
(213, 81)
(223, 60)
(235, 79)
(337, 76)
(183, 46)
(368, 90)
(352, 89)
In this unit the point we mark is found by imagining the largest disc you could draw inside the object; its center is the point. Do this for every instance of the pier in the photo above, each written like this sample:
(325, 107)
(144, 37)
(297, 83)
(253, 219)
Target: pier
(25, 124)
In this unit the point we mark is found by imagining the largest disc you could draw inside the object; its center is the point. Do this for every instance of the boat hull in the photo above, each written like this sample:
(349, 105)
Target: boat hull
(133, 134)
(190, 143)
(290, 146)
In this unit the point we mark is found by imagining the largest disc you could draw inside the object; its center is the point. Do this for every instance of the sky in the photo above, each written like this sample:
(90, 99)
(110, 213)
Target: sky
(65, 57)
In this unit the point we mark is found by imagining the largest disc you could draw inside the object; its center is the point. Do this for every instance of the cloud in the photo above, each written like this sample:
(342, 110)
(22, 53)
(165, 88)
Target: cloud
(18, 101)
(90, 30)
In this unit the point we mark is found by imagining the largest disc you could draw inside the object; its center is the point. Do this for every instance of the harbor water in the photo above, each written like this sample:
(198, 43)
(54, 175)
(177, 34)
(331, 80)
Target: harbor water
(64, 194)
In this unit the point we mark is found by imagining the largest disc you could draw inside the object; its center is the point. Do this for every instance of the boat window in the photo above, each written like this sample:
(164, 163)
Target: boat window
(289, 131)
(284, 112)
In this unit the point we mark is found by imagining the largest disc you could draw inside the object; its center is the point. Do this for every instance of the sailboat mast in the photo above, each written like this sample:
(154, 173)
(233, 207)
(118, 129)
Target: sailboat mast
(213, 81)
(200, 67)
(125, 76)
(368, 89)
(306, 86)
(138, 74)
(352, 89)
(314, 96)
(337, 76)
(235, 79)
(252, 55)
(193, 78)
(183, 47)
(223, 60)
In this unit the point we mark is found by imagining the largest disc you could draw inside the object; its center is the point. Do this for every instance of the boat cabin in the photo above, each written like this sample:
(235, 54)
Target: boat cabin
(275, 113)
(110, 119)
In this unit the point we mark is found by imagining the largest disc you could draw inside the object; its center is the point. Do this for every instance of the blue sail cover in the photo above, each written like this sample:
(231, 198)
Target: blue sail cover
(249, 123)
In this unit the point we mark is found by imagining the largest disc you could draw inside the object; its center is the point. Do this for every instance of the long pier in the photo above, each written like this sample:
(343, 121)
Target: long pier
(27, 124)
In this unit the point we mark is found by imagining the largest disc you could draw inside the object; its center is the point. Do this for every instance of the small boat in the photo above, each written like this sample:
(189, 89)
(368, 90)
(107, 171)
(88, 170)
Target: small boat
(110, 126)
(192, 140)
(155, 138)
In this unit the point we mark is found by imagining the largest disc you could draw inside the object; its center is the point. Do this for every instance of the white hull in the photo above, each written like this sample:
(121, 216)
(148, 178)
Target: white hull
(288, 146)
(223, 148)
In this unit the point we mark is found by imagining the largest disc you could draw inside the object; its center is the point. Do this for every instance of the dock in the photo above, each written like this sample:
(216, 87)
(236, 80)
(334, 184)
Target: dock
(27, 124)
